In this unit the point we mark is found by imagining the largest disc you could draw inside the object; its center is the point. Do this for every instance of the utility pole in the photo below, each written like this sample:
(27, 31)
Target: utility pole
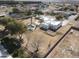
(31, 19)
(32, 15)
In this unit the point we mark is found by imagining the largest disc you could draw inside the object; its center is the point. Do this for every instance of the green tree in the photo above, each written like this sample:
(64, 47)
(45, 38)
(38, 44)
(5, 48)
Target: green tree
(59, 17)
(37, 12)
(29, 13)
(5, 20)
(21, 53)
(16, 28)
(15, 10)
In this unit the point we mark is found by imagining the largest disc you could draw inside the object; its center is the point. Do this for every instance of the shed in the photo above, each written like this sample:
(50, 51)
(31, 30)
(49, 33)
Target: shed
(54, 25)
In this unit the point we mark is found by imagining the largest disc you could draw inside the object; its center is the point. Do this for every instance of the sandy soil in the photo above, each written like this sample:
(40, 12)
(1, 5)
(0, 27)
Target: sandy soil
(68, 47)
(46, 40)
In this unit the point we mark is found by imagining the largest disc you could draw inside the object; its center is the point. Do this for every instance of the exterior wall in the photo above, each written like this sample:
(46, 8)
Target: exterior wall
(55, 27)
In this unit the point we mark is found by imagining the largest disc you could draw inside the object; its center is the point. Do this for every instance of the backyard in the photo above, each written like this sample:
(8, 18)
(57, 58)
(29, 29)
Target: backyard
(68, 47)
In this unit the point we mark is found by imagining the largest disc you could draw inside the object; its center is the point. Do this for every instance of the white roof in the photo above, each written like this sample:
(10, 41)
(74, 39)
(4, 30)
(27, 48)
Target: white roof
(47, 22)
(52, 19)
(55, 22)
(47, 18)
(2, 14)
(52, 22)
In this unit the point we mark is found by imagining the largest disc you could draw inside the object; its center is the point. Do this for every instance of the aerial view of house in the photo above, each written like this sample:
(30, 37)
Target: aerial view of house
(39, 28)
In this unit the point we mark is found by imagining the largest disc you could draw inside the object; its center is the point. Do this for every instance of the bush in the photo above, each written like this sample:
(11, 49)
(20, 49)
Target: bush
(15, 10)
(20, 53)
(59, 17)
(5, 20)
(38, 12)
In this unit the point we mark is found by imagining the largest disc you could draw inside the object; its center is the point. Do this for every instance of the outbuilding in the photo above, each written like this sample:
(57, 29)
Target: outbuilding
(52, 25)
(55, 25)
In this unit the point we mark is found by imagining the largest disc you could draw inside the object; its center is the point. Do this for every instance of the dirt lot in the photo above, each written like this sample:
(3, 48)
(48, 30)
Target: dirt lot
(41, 37)
(46, 40)
(68, 47)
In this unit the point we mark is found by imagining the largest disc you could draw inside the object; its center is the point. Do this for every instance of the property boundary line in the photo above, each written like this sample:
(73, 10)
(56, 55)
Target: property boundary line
(53, 47)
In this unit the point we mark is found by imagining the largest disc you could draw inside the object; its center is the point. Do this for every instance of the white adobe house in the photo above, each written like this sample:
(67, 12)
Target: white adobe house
(54, 25)
(49, 22)
(45, 25)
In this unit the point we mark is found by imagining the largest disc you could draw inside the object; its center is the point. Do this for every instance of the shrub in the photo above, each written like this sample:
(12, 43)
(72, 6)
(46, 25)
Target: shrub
(21, 53)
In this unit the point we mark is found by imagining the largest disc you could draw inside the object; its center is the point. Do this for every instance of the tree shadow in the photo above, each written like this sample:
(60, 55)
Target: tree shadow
(11, 44)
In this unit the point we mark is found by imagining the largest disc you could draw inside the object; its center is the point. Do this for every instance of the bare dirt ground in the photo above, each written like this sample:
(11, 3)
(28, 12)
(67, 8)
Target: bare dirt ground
(68, 47)
(41, 37)
(47, 41)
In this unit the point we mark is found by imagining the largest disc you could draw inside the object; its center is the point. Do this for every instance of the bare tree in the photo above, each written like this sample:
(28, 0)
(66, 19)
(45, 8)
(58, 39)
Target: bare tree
(36, 44)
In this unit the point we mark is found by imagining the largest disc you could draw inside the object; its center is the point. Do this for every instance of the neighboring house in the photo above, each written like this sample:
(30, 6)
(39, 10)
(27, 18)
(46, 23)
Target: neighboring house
(49, 22)
(46, 18)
